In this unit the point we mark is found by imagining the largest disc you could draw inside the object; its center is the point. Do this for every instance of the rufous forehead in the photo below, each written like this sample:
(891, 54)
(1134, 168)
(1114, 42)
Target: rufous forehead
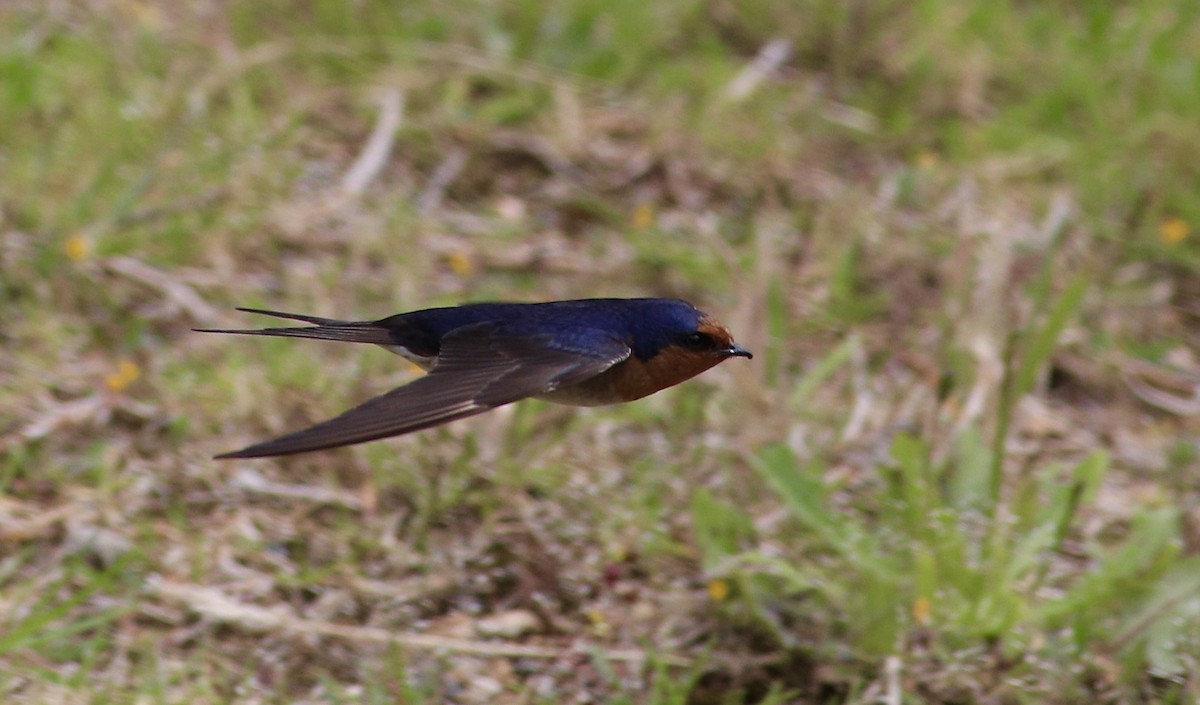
(714, 329)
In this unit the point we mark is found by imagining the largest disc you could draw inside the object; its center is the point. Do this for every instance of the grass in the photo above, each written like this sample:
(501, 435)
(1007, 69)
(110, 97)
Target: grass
(959, 237)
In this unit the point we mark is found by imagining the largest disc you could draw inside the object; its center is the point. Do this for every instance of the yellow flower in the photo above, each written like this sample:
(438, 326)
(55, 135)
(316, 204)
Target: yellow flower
(922, 610)
(718, 589)
(643, 216)
(77, 248)
(1173, 230)
(127, 372)
(146, 14)
(600, 625)
(926, 160)
(459, 263)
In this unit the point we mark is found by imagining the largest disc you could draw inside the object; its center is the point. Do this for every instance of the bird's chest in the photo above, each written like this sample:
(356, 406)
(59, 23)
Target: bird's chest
(632, 379)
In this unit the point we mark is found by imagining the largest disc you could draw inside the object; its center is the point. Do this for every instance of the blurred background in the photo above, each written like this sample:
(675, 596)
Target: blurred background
(960, 238)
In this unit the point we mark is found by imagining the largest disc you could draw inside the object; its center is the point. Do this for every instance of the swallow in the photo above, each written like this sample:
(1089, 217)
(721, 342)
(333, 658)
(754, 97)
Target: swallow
(586, 352)
(479, 356)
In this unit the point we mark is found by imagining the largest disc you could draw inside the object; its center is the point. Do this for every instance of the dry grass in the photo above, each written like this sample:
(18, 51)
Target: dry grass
(164, 165)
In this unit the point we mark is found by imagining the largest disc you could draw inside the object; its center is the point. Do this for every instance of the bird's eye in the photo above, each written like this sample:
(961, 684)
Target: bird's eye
(697, 341)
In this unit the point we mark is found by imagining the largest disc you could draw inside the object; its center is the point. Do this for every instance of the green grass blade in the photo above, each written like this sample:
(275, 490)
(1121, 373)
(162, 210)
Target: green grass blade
(1041, 346)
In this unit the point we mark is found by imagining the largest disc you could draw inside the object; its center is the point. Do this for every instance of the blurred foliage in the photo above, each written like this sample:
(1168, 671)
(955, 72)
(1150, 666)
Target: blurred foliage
(957, 234)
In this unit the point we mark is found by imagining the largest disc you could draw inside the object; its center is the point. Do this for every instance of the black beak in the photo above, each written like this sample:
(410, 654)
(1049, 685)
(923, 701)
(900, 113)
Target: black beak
(736, 350)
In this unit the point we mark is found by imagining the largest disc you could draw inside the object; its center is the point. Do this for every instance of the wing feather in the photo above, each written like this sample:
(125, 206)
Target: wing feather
(480, 367)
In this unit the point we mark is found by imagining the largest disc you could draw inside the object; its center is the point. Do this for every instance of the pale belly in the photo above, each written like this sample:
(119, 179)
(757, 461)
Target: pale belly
(425, 363)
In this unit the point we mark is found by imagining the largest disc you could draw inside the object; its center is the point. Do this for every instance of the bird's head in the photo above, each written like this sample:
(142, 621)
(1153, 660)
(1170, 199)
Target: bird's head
(679, 328)
(674, 341)
(709, 338)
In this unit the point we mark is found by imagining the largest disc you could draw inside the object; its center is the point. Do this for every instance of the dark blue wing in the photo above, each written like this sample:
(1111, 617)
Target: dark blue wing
(480, 367)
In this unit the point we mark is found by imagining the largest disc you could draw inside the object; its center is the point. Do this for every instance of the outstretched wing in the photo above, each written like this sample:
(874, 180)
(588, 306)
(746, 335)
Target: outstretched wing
(480, 367)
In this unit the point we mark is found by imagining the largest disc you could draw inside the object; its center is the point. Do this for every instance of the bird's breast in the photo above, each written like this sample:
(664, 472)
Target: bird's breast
(634, 378)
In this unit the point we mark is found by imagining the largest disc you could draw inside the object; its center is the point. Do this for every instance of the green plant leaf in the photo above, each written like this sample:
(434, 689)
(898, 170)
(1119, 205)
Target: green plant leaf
(803, 491)
(1041, 345)
(721, 528)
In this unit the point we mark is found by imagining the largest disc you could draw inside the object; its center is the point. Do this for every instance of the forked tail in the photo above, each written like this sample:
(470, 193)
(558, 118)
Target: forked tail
(321, 329)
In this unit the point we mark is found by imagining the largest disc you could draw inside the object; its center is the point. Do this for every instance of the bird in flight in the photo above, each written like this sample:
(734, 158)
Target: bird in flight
(586, 352)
